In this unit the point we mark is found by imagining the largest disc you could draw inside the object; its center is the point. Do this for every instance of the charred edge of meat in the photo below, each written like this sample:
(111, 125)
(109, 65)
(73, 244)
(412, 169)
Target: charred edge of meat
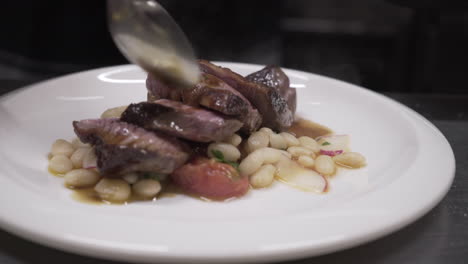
(113, 160)
(122, 147)
(291, 98)
(271, 76)
(284, 118)
(274, 77)
(269, 102)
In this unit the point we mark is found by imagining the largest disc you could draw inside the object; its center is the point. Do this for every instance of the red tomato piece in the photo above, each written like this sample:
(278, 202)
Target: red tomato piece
(211, 179)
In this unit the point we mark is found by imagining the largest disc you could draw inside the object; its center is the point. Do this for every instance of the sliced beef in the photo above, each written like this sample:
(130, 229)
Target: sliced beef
(159, 90)
(122, 148)
(180, 120)
(274, 109)
(210, 179)
(212, 93)
(271, 76)
(274, 77)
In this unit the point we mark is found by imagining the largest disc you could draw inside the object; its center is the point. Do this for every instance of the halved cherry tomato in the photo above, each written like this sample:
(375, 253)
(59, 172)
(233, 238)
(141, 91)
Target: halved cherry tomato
(211, 179)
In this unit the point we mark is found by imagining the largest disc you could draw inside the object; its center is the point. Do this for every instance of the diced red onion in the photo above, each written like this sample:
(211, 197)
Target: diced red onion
(90, 166)
(331, 153)
(90, 161)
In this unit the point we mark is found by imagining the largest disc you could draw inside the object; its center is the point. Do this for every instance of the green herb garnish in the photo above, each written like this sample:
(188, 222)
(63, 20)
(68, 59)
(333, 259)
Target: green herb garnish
(326, 143)
(233, 164)
(219, 157)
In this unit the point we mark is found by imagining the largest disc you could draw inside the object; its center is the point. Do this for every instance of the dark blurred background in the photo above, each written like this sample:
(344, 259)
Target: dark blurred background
(385, 45)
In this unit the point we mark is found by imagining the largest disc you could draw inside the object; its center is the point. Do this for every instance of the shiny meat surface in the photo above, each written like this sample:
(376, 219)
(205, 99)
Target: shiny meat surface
(122, 148)
(274, 77)
(271, 76)
(212, 93)
(274, 109)
(159, 90)
(180, 120)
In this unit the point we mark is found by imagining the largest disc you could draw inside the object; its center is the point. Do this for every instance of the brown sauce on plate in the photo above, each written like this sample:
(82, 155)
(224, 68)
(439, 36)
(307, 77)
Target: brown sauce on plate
(90, 196)
(300, 127)
(87, 195)
(303, 127)
(56, 174)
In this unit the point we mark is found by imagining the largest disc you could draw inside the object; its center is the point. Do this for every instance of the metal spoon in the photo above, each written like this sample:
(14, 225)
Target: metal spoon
(148, 36)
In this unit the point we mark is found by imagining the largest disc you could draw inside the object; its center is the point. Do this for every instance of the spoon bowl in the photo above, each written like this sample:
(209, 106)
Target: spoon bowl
(148, 36)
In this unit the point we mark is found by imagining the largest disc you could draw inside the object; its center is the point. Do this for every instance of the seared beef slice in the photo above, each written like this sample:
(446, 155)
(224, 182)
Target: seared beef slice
(274, 109)
(274, 77)
(212, 93)
(122, 148)
(159, 90)
(179, 120)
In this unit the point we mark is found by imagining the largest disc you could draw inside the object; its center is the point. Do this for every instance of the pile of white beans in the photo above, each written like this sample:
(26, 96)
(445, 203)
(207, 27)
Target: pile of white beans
(69, 159)
(258, 158)
(263, 150)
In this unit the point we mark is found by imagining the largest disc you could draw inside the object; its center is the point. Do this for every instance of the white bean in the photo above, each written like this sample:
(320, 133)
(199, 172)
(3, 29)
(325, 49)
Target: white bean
(230, 153)
(291, 140)
(324, 165)
(267, 130)
(257, 140)
(256, 159)
(60, 164)
(130, 177)
(76, 142)
(234, 140)
(81, 178)
(277, 141)
(306, 161)
(263, 177)
(62, 147)
(350, 159)
(78, 156)
(114, 112)
(146, 188)
(113, 190)
(285, 153)
(300, 151)
(310, 143)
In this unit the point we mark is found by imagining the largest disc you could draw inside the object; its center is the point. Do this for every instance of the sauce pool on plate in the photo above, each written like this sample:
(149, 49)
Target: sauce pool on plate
(303, 127)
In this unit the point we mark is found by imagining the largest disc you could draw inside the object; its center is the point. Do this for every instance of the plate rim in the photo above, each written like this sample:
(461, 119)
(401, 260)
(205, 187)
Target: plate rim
(298, 252)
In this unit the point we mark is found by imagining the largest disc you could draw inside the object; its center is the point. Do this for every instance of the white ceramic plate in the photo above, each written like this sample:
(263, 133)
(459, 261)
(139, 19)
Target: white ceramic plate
(411, 167)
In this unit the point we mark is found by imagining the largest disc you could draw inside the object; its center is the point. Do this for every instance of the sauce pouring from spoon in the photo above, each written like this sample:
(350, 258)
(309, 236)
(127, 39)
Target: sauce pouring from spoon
(147, 35)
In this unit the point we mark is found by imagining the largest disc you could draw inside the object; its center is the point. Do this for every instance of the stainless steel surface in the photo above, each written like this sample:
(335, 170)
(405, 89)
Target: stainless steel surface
(441, 236)
(147, 35)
